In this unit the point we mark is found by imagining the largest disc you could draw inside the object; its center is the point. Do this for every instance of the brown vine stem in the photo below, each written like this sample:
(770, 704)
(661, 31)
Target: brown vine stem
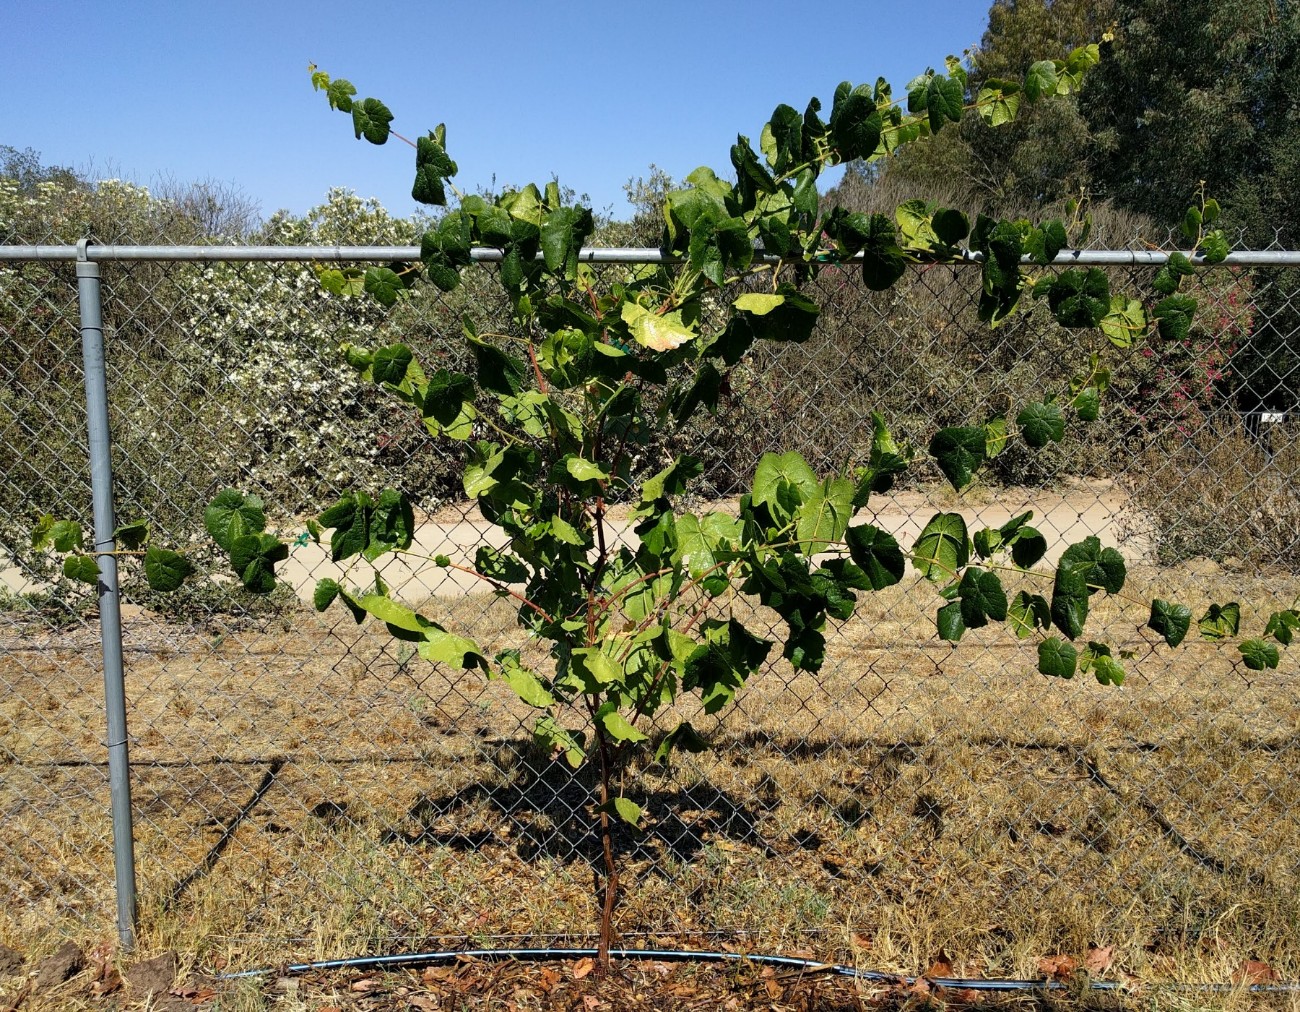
(504, 588)
(607, 848)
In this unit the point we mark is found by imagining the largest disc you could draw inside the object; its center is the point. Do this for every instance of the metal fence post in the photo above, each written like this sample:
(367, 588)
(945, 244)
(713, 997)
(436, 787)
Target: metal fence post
(110, 612)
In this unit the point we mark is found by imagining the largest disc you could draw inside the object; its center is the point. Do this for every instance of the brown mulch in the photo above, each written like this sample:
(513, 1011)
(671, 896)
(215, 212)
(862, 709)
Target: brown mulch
(509, 986)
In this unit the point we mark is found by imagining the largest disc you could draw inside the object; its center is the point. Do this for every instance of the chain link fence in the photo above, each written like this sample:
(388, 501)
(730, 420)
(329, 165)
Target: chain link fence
(304, 787)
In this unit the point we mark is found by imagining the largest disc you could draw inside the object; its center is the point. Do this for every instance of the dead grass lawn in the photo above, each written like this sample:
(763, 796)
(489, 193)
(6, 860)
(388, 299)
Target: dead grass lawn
(319, 792)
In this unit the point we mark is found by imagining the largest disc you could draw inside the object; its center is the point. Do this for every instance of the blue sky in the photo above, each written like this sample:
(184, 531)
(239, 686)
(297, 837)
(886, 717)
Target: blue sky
(590, 91)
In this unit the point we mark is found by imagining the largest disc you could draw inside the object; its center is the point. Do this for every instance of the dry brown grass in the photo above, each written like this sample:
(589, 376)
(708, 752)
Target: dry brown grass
(309, 795)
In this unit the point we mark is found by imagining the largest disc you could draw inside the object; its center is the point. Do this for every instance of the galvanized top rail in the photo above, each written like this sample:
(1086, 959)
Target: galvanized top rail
(625, 255)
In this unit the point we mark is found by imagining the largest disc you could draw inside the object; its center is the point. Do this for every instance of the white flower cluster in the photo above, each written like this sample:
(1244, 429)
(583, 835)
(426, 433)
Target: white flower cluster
(302, 419)
(229, 372)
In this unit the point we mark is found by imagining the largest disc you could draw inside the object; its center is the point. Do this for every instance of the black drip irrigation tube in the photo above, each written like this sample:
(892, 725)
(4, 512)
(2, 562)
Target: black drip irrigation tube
(697, 956)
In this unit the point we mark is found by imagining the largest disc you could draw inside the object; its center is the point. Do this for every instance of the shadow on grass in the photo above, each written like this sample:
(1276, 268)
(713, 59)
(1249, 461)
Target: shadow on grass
(544, 809)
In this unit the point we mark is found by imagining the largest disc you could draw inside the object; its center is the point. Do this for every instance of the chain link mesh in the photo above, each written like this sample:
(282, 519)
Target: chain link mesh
(306, 786)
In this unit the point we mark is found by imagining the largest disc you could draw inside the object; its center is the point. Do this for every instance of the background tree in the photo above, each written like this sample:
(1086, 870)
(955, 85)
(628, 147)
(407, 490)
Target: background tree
(1034, 159)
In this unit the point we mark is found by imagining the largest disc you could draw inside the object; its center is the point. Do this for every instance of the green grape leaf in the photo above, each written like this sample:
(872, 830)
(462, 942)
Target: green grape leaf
(1170, 620)
(1056, 658)
(785, 131)
(950, 226)
(1259, 654)
(943, 547)
(390, 364)
(325, 593)
(384, 285)
(995, 436)
(498, 372)
(982, 598)
(1087, 402)
(1077, 298)
(1069, 607)
(986, 542)
(883, 262)
(1041, 80)
(432, 168)
(1174, 317)
(1027, 613)
(66, 535)
(562, 234)
(774, 470)
(1166, 281)
(447, 405)
(617, 726)
(1214, 245)
(1282, 626)
(1107, 670)
(823, 517)
(948, 621)
(944, 97)
(370, 119)
(82, 568)
(855, 123)
(165, 570)
(877, 554)
(253, 558)
(1124, 322)
(42, 534)
(131, 536)
(1041, 424)
(231, 513)
(1045, 242)
(1099, 568)
(999, 102)
(959, 451)
(1220, 621)
(1028, 548)
(339, 93)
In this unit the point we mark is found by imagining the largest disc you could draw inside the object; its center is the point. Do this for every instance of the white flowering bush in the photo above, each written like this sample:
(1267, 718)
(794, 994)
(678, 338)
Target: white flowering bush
(235, 368)
(271, 340)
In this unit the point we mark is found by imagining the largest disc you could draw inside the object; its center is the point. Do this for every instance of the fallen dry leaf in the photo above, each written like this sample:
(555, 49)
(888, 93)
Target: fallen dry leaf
(107, 984)
(1253, 971)
(1058, 967)
(1099, 958)
(105, 979)
(583, 967)
(440, 972)
(941, 966)
(549, 979)
(366, 984)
